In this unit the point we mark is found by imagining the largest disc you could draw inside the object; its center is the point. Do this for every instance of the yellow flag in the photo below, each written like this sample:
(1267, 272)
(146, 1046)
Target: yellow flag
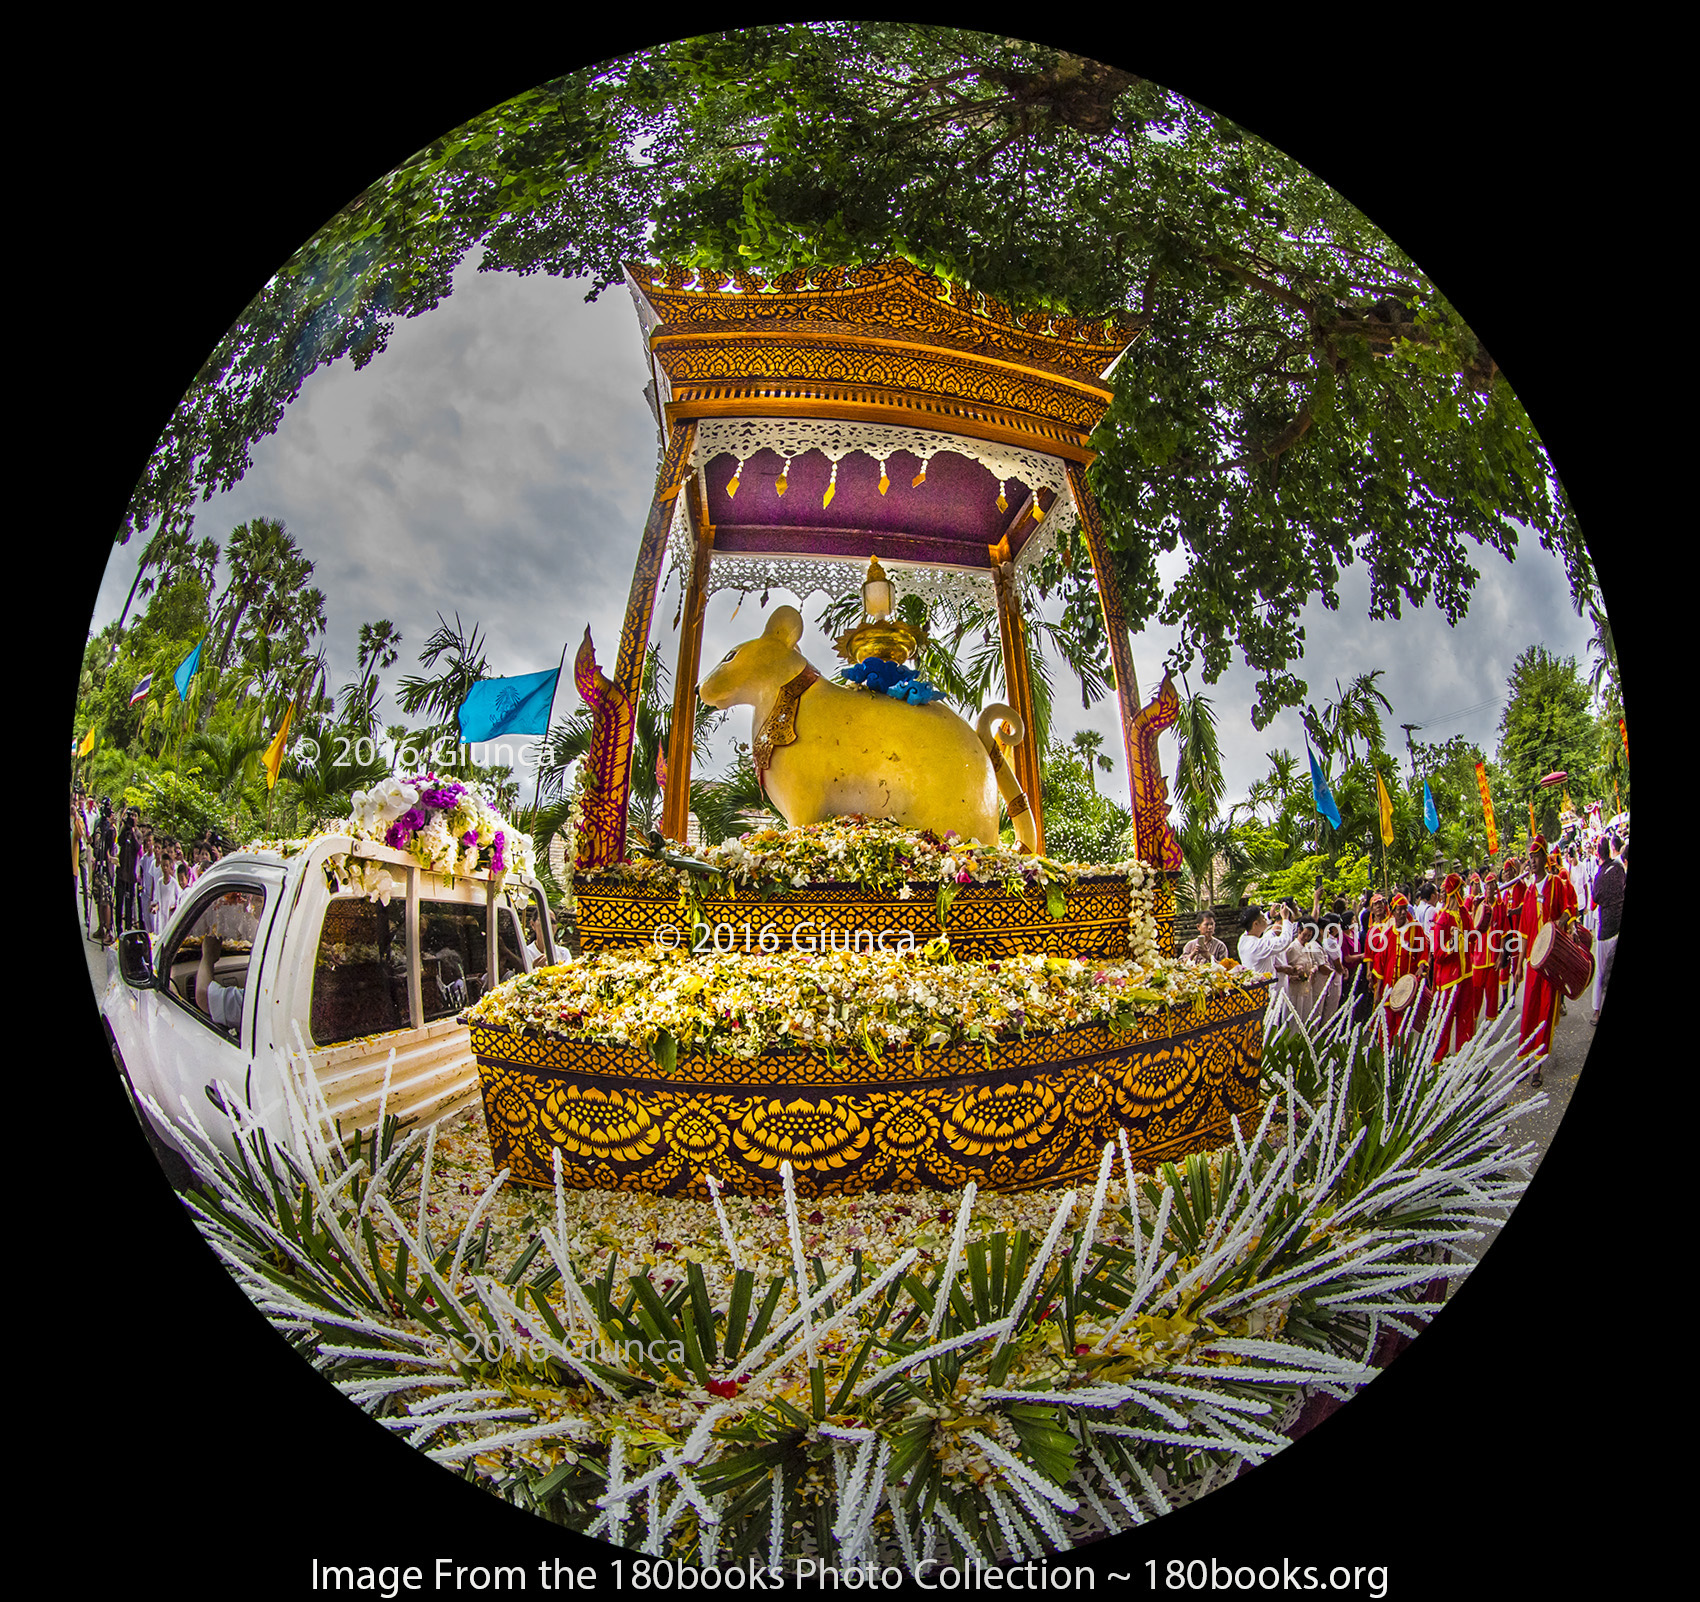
(1386, 802)
(1533, 831)
(88, 743)
(274, 751)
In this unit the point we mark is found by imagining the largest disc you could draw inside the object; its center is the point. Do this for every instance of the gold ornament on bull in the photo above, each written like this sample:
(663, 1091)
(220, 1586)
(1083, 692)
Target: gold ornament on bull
(879, 633)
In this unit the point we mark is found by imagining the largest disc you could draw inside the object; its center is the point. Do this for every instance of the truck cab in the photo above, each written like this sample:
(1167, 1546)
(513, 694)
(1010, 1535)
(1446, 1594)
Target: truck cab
(274, 960)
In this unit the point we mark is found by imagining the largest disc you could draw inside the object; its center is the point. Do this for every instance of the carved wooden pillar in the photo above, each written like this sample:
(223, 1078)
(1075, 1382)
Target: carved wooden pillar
(1154, 841)
(676, 812)
(1012, 632)
(602, 839)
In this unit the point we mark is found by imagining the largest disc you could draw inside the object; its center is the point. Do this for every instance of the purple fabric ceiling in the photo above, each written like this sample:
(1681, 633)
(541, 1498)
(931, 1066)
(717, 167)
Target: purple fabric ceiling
(951, 518)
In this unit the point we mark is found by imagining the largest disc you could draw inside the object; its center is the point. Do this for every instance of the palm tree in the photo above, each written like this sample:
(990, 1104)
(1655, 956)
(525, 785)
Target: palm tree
(1352, 716)
(1199, 785)
(225, 761)
(1088, 743)
(324, 785)
(1603, 649)
(440, 697)
(733, 803)
(379, 647)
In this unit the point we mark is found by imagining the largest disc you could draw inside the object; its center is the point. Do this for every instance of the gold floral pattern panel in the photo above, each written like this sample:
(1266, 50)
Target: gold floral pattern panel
(983, 921)
(1011, 1115)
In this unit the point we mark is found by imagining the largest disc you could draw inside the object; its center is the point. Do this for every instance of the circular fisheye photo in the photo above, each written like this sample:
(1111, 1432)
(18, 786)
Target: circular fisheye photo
(849, 800)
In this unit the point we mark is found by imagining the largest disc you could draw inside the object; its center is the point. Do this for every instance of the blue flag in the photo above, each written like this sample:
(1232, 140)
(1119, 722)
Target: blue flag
(508, 706)
(186, 671)
(1431, 818)
(1325, 804)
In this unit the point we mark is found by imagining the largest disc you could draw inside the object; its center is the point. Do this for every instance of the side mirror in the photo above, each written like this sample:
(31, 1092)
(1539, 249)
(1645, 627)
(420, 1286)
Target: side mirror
(135, 959)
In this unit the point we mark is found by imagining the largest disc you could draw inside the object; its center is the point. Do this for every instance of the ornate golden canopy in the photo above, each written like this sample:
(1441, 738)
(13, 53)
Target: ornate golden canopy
(888, 343)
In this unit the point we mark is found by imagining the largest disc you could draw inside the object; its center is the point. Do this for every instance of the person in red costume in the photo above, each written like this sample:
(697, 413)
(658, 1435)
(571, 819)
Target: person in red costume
(1488, 926)
(1450, 957)
(1396, 949)
(1548, 899)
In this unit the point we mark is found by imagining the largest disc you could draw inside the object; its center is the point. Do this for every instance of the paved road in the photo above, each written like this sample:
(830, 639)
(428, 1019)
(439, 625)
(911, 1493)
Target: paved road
(1571, 1042)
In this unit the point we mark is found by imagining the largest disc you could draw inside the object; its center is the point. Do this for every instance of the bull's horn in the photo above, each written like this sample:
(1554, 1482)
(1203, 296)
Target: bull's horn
(999, 713)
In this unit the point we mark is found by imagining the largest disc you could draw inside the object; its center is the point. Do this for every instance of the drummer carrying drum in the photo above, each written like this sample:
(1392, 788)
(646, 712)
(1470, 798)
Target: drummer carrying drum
(1399, 958)
(1549, 904)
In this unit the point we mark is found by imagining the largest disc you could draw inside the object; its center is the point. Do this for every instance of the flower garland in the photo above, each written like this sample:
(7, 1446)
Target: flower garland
(446, 825)
(612, 1360)
(886, 858)
(743, 1004)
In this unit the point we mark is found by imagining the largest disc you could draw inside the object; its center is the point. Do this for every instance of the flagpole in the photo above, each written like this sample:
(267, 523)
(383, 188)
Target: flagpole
(537, 797)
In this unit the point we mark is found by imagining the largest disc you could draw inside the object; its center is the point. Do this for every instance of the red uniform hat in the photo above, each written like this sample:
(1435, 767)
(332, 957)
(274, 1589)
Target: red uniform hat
(1399, 901)
(1539, 840)
(1450, 882)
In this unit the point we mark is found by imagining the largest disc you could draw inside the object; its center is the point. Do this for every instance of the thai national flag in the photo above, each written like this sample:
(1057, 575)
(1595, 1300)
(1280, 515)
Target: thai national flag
(143, 685)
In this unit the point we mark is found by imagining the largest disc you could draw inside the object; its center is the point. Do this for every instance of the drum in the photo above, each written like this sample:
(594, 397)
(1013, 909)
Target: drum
(1400, 995)
(1562, 961)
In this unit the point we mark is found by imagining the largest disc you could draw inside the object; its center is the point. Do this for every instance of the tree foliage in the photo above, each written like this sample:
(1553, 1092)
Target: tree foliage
(1548, 727)
(1297, 398)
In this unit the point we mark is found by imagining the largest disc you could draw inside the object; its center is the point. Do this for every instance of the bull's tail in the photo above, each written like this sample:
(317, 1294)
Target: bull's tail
(1020, 810)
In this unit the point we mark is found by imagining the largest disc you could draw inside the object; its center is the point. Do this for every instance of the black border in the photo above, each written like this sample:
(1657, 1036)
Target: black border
(1507, 165)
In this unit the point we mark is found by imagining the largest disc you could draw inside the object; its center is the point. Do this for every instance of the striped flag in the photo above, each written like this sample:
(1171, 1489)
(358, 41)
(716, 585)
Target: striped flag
(143, 685)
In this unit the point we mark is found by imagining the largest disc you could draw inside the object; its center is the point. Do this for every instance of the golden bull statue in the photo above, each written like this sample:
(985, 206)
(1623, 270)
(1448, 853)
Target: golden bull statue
(825, 751)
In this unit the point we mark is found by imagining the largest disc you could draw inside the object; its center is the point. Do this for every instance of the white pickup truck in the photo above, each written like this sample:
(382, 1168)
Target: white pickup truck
(298, 948)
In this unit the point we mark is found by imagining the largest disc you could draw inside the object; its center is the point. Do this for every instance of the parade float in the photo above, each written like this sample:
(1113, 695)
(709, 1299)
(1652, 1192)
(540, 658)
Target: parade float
(885, 1194)
(913, 1003)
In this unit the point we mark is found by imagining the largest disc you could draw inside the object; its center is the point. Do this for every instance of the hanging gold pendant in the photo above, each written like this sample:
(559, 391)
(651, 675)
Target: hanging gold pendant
(885, 483)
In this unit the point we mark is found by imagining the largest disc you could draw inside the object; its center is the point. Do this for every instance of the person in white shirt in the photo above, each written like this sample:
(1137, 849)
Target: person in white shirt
(145, 872)
(1427, 906)
(221, 1003)
(1261, 945)
(1581, 881)
(173, 882)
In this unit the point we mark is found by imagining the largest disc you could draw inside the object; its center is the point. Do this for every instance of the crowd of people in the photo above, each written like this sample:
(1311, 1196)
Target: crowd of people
(1464, 944)
(130, 875)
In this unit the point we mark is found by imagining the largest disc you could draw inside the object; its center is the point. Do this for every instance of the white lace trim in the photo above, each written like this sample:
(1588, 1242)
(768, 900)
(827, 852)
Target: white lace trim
(835, 576)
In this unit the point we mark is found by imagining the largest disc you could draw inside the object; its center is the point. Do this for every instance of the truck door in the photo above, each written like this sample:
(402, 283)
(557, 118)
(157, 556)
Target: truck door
(198, 1019)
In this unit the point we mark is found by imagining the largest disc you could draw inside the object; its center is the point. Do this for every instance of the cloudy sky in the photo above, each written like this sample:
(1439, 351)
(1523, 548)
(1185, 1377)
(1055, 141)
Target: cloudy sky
(497, 461)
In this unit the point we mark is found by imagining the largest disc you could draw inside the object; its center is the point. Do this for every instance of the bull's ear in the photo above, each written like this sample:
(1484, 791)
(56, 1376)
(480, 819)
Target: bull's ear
(786, 625)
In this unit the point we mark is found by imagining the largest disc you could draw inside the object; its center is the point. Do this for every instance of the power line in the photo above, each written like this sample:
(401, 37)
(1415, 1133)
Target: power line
(1463, 712)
